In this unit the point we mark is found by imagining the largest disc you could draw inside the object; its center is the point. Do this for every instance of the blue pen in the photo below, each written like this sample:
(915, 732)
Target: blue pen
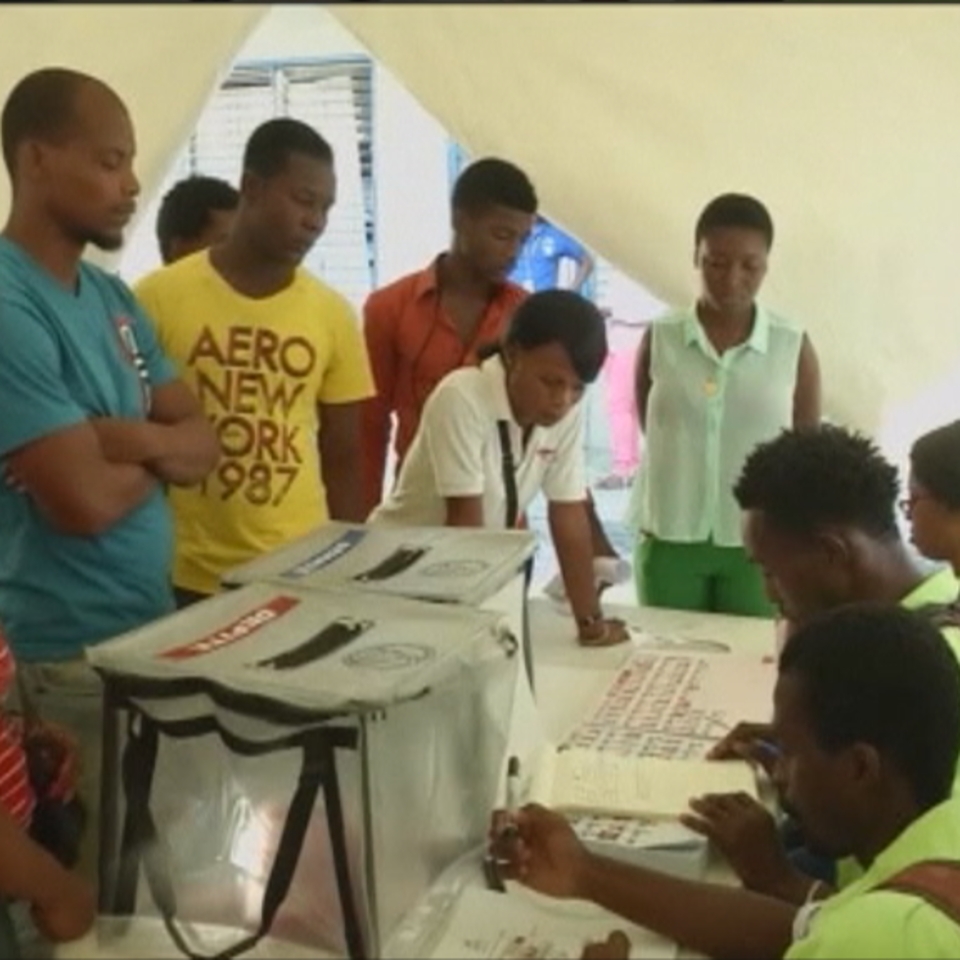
(768, 747)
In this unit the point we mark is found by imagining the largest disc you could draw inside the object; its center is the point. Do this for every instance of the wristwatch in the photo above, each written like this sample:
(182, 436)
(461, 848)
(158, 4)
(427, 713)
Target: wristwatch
(590, 621)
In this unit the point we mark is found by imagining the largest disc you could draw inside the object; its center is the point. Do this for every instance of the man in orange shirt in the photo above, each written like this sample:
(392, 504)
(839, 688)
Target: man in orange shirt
(424, 325)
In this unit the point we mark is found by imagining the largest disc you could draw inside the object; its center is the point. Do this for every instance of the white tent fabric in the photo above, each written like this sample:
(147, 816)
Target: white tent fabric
(842, 119)
(630, 118)
(164, 60)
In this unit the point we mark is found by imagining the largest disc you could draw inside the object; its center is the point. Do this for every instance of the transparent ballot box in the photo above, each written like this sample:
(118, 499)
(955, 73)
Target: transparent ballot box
(298, 763)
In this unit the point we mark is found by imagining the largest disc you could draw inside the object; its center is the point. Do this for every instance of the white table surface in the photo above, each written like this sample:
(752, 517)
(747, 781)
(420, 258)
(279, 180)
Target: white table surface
(140, 938)
(569, 677)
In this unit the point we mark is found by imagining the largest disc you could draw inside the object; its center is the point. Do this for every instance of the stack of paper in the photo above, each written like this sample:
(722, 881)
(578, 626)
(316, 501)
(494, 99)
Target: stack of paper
(576, 780)
(663, 845)
(677, 705)
(670, 704)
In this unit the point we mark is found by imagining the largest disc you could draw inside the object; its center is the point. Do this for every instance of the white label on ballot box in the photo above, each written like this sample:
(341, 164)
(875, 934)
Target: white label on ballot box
(448, 564)
(315, 649)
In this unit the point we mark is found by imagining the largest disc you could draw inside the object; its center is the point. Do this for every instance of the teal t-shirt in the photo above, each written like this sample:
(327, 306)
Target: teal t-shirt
(66, 356)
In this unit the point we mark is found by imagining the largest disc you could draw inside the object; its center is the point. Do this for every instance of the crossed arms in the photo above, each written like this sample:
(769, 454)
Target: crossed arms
(86, 477)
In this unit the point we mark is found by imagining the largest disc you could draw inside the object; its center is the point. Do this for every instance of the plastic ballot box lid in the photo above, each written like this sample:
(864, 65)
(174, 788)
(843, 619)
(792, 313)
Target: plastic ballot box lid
(316, 650)
(446, 564)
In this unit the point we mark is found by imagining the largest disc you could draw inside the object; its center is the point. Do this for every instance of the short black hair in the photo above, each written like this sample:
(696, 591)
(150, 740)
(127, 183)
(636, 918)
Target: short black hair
(935, 463)
(882, 675)
(493, 182)
(41, 107)
(270, 146)
(186, 207)
(564, 317)
(804, 479)
(734, 210)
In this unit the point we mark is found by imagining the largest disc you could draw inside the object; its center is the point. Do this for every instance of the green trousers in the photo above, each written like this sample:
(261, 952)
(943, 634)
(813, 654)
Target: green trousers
(699, 576)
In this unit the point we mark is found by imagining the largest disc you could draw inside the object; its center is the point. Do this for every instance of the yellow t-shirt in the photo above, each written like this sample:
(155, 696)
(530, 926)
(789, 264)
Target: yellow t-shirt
(260, 368)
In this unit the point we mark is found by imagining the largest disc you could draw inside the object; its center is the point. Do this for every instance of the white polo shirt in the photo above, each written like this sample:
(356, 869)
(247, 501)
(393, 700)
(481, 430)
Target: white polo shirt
(456, 453)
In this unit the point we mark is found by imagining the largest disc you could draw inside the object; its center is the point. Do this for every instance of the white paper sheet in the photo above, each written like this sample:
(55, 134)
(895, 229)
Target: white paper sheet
(521, 925)
(605, 784)
(676, 705)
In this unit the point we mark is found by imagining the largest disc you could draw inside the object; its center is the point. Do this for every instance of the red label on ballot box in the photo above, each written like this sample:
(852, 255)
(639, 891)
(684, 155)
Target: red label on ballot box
(250, 622)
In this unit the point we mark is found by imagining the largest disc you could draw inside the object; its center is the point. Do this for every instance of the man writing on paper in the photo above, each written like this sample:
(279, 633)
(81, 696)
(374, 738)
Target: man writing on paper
(866, 781)
(819, 511)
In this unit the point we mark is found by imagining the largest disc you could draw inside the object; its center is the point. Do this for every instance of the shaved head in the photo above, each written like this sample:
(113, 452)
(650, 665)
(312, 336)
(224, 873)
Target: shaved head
(43, 106)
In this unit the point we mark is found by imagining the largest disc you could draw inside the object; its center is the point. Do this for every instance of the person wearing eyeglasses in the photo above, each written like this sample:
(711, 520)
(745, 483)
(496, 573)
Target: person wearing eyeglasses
(819, 520)
(932, 504)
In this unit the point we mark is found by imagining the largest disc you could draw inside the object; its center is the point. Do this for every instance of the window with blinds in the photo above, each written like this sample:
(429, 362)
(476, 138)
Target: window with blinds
(335, 97)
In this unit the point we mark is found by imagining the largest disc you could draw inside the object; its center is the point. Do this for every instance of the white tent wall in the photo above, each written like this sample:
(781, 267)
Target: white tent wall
(842, 119)
(630, 117)
(164, 60)
(411, 144)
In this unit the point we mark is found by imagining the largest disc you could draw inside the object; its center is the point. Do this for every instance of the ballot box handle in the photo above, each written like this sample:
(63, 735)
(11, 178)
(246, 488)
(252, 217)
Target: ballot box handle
(140, 834)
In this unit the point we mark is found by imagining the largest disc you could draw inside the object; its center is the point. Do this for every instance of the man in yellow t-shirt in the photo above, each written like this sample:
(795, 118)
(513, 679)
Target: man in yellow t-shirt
(277, 359)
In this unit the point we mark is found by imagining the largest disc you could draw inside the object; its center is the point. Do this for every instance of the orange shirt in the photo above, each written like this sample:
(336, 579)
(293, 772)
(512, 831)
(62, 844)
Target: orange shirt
(413, 345)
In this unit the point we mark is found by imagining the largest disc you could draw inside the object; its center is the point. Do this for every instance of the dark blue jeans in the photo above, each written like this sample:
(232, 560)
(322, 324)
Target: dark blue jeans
(9, 947)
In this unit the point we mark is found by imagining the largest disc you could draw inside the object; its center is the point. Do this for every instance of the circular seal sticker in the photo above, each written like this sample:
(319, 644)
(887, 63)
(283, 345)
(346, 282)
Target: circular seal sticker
(390, 656)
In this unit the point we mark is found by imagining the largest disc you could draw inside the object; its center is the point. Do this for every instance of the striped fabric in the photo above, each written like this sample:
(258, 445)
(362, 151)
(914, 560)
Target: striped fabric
(16, 796)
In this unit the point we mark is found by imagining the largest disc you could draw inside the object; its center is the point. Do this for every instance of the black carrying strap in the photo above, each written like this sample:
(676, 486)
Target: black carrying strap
(508, 465)
(140, 836)
(937, 882)
(509, 468)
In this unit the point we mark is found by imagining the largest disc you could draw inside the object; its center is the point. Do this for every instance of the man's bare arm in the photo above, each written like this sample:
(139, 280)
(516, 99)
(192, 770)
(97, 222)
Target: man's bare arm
(177, 444)
(74, 485)
(340, 460)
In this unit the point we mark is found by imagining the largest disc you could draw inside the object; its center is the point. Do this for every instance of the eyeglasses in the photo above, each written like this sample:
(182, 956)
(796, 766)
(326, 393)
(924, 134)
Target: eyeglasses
(908, 504)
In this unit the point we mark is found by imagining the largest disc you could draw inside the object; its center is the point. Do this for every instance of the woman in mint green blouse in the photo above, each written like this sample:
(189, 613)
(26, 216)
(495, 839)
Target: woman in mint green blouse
(712, 382)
